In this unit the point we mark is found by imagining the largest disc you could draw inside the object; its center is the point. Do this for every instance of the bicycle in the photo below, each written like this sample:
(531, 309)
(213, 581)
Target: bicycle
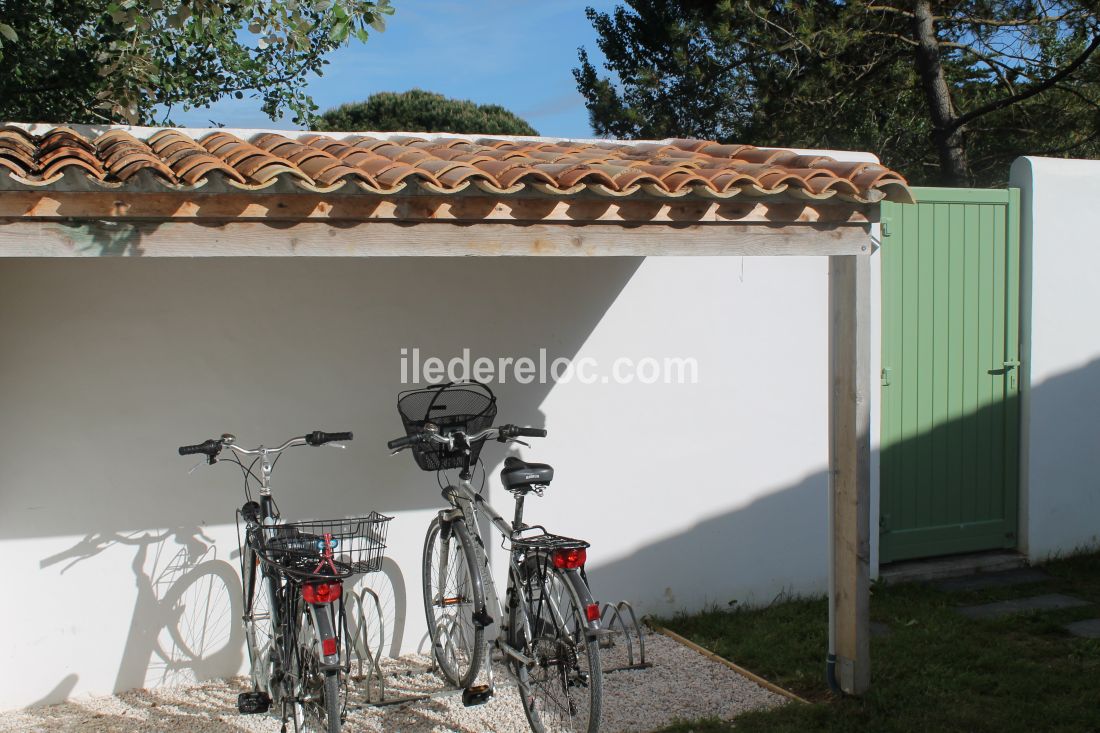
(292, 576)
(550, 632)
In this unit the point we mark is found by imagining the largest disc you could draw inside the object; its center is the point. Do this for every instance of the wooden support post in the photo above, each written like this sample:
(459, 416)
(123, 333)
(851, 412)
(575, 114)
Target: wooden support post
(850, 467)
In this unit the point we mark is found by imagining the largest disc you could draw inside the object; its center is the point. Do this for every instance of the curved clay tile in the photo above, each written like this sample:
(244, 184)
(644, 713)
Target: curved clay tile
(328, 171)
(64, 137)
(624, 177)
(401, 174)
(510, 172)
(126, 163)
(724, 151)
(688, 144)
(460, 174)
(723, 179)
(14, 167)
(61, 162)
(58, 157)
(760, 156)
(830, 184)
(566, 176)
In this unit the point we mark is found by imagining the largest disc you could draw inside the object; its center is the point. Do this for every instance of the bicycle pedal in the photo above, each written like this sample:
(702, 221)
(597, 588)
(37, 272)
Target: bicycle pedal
(253, 703)
(476, 695)
(482, 619)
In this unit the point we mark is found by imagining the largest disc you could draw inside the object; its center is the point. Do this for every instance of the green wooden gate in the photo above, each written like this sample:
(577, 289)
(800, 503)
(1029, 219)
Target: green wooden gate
(950, 362)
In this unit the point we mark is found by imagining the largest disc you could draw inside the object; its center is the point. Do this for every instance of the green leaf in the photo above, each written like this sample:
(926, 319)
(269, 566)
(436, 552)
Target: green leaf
(8, 32)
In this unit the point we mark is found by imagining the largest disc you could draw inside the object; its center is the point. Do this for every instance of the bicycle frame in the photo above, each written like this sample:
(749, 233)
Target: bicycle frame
(466, 503)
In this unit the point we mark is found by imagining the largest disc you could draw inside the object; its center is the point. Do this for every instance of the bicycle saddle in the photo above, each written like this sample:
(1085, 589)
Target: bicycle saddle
(519, 475)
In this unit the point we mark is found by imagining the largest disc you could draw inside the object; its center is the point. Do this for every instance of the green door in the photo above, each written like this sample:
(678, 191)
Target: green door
(950, 367)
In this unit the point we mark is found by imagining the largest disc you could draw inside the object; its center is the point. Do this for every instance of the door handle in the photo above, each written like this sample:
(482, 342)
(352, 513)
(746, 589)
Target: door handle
(1007, 366)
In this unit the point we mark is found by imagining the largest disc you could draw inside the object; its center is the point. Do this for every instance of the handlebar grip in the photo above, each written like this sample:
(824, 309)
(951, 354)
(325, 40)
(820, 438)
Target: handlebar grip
(402, 442)
(319, 437)
(531, 432)
(209, 448)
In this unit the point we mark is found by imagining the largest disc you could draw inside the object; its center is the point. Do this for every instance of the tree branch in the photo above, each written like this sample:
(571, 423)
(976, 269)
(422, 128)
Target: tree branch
(1030, 91)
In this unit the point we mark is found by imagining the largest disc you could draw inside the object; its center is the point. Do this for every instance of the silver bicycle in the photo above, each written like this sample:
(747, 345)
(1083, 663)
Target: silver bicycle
(293, 574)
(549, 624)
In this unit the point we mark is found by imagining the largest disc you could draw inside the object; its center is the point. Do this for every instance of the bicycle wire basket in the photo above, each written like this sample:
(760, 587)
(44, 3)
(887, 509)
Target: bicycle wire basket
(298, 548)
(468, 407)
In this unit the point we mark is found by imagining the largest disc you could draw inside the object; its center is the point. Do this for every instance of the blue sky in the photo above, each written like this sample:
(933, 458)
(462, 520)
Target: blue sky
(517, 53)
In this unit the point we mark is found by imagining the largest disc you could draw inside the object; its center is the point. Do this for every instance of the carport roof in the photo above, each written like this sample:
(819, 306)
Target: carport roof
(200, 161)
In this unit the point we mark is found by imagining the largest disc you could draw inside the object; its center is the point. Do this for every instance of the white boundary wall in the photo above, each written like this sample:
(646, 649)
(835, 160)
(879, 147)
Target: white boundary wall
(691, 495)
(1060, 476)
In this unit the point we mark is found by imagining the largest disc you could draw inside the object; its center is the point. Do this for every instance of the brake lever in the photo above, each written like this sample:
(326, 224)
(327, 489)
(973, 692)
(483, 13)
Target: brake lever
(341, 446)
(517, 440)
(197, 466)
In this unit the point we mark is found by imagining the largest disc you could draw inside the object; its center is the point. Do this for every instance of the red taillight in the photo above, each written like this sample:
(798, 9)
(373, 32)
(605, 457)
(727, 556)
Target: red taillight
(329, 647)
(321, 592)
(592, 611)
(570, 559)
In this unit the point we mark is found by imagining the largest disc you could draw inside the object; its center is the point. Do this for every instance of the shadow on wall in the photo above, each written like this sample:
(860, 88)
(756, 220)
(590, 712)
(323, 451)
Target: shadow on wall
(184, 624)
(756, 554)
(748, 556)
(1063, 511)
(121, 361)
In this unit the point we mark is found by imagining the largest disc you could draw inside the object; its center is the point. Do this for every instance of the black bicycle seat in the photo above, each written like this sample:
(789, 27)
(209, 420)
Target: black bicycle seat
(519, 475)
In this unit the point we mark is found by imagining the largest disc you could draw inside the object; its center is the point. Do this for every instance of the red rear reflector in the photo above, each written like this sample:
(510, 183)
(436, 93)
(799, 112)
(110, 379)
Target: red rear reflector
(321, 592)
(329, 647)
(592, 611)
(570, 559)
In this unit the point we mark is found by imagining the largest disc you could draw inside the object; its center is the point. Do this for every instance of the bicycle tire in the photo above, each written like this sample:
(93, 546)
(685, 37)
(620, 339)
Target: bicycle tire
(259, 623)
(537, 683)
(309, 720)
(457, 605)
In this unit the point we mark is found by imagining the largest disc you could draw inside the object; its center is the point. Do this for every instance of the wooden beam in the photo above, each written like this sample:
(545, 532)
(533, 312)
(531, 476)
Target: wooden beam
(850, 467)
(295, 207)
(20, 238)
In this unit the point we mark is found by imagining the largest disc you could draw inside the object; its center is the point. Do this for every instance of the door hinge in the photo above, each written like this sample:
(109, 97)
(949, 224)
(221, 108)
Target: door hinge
(885, 376)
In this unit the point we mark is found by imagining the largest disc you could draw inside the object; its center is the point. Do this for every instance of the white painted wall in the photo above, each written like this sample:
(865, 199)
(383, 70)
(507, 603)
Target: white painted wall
(691, 495)
(1060, 491)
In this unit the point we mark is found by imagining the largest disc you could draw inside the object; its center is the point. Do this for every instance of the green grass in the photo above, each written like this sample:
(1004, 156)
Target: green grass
(935, 670)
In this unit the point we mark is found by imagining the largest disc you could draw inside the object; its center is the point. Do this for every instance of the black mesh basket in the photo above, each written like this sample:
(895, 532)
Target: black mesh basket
(465, 406)
(298, 548)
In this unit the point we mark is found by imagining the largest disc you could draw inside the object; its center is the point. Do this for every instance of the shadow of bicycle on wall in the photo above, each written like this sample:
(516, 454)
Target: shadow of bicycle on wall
(185, 627)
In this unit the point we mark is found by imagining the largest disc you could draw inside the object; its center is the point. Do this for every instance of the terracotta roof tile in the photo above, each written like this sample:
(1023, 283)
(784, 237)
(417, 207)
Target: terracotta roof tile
(387, 163)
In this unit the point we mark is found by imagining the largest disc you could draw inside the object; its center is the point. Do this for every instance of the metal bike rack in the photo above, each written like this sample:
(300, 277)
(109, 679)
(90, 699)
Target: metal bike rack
(361, 634)
(617, 615)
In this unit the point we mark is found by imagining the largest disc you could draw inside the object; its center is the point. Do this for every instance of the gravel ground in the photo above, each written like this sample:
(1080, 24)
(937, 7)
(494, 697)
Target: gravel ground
(681, 685)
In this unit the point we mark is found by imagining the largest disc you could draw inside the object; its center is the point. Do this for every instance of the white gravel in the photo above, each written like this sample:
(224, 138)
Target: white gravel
(681, 685)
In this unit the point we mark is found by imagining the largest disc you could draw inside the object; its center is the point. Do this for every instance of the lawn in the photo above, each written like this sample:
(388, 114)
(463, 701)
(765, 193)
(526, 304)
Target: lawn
(932, 670)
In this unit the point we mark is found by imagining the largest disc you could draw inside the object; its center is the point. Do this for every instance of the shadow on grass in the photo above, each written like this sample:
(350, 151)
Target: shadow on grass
(935, 671)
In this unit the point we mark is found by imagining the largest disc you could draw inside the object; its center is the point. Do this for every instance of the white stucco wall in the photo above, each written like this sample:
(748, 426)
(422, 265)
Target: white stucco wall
(1060, 491)
(691, 495)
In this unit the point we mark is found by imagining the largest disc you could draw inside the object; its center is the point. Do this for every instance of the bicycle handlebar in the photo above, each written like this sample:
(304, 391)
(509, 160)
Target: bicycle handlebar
(211, 448)
(318, 437)
(502, 433)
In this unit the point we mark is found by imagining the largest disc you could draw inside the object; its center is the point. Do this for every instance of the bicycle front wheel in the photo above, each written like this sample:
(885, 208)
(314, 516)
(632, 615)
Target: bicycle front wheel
(259, 625)
(452, 595)
(562, 689)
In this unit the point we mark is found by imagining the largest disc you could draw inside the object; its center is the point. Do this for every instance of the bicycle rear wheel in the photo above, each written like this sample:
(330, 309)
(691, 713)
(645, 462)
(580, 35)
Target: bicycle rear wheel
(452, 595)
(562, 690)
(317, 695)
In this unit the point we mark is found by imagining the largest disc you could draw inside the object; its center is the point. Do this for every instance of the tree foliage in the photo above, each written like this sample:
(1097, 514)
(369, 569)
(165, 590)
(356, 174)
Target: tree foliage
(944, 91)
(419, 111)
(138, 60)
